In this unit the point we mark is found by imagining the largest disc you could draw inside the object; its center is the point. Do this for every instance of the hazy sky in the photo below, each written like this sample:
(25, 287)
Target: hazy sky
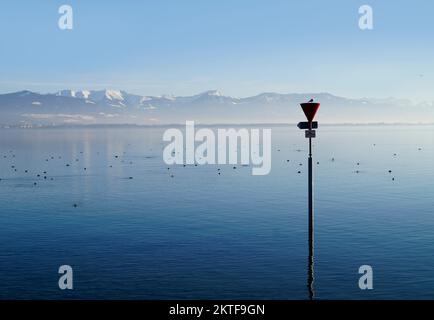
(240, 47)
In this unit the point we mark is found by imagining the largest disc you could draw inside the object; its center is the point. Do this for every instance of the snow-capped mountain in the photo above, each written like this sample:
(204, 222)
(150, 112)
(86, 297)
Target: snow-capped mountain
(116, 98)
(120, 107)
(84, 94)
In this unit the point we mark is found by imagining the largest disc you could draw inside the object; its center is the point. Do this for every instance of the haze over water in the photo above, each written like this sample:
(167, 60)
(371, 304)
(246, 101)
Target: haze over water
(132, 228)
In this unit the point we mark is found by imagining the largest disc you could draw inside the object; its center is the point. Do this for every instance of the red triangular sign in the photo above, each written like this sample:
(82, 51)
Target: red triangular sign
(310, 109)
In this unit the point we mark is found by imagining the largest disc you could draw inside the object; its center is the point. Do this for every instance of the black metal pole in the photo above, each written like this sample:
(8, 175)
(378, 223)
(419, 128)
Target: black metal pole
(311, 224)
(310, 182)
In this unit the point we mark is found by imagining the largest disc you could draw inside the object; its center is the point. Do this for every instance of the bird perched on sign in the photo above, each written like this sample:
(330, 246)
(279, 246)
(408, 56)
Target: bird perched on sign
(310, 101)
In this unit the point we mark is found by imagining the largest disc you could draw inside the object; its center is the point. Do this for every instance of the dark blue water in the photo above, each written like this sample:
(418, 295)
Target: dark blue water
(200, 235)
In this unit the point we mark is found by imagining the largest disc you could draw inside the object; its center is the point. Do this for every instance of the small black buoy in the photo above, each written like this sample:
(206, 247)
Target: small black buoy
(75, 205)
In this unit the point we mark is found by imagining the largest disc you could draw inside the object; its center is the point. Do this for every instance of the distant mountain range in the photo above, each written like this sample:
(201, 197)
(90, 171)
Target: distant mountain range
(69, 107)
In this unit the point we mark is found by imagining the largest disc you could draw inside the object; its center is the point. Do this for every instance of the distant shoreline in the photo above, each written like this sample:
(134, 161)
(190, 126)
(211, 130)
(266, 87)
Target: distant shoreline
(132, 126)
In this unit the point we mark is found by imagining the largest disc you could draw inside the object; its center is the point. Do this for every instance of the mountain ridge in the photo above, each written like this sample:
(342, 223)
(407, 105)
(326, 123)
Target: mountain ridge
(68, 106)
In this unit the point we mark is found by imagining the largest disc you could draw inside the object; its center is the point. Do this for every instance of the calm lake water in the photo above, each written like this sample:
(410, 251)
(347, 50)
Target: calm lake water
(200, 235)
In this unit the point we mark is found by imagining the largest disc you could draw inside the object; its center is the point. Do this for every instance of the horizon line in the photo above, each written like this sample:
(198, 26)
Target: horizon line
(102, 125)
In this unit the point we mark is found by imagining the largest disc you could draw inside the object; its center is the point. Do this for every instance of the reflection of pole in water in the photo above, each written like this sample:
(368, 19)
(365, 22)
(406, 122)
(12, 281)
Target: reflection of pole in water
(310, 270)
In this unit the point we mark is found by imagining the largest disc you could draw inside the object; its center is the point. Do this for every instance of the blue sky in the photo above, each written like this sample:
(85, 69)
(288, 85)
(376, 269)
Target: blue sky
(239, 47)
